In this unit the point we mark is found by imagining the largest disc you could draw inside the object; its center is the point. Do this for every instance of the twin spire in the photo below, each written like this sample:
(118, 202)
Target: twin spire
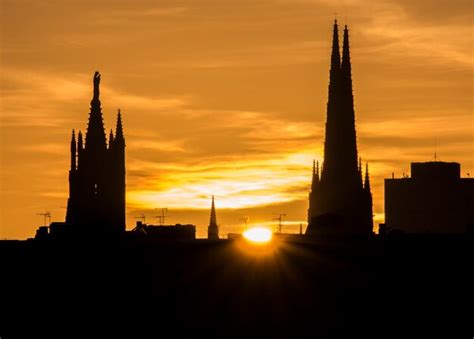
(336, 63)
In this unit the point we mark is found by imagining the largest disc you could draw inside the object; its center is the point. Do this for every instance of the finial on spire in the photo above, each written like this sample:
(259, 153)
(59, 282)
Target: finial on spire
(314, 167)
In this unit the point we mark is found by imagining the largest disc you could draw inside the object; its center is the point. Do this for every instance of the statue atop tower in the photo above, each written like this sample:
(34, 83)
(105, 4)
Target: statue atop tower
(96, 81)
(96, 201)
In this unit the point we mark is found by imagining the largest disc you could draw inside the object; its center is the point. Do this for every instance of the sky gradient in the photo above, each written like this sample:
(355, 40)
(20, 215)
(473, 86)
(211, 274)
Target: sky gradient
(225, 98)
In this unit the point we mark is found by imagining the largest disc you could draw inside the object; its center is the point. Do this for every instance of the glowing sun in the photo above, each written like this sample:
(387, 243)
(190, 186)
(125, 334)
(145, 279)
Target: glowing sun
(259, 235)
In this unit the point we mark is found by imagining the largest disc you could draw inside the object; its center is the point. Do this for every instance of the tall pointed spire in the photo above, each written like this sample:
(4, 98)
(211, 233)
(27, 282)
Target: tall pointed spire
(333, 109)
(213, 219)
(95, 134)
(346, 60)
(337, 205)
(213, 228)
(348, 99)
(73, 151)
(335, 55)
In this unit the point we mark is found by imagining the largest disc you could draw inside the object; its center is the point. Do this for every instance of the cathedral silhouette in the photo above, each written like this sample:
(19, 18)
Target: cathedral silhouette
(340, 203)
(96, 201)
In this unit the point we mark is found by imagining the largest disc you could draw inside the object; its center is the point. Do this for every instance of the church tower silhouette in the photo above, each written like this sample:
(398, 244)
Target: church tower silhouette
(96, 203)
(213, 228)
(339, 202)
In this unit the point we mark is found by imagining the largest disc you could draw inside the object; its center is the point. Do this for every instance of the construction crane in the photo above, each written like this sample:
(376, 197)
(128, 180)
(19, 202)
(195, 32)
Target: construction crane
(280, 220)
(161, 218)
(245, 220)
(47, 216)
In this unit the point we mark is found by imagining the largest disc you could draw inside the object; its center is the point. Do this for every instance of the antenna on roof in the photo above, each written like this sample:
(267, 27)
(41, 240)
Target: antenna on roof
(161, 218)
(47, 216)
(280, 220)
(142, 217)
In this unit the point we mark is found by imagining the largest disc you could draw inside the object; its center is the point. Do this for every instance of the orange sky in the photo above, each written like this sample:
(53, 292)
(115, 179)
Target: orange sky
(225, 98)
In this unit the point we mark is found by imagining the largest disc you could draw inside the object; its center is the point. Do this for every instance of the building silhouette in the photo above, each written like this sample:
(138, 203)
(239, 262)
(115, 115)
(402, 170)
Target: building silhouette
(340, 201)
(96, 201)
(434, 200)
(213, 228)
(162, 232)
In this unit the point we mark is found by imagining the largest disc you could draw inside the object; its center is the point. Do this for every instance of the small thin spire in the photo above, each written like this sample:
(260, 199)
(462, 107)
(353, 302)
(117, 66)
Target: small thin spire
(111, 138)
(119, 137)
(315, 180)
(73, 151)
(79, 141)
(367, 179)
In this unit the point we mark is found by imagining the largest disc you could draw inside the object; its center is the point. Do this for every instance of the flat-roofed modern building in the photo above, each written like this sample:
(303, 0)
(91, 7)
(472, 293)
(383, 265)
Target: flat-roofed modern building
(435, 199)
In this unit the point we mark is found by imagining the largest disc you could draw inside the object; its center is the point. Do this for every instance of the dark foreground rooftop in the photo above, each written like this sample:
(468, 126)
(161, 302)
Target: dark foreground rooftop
(406, 286)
